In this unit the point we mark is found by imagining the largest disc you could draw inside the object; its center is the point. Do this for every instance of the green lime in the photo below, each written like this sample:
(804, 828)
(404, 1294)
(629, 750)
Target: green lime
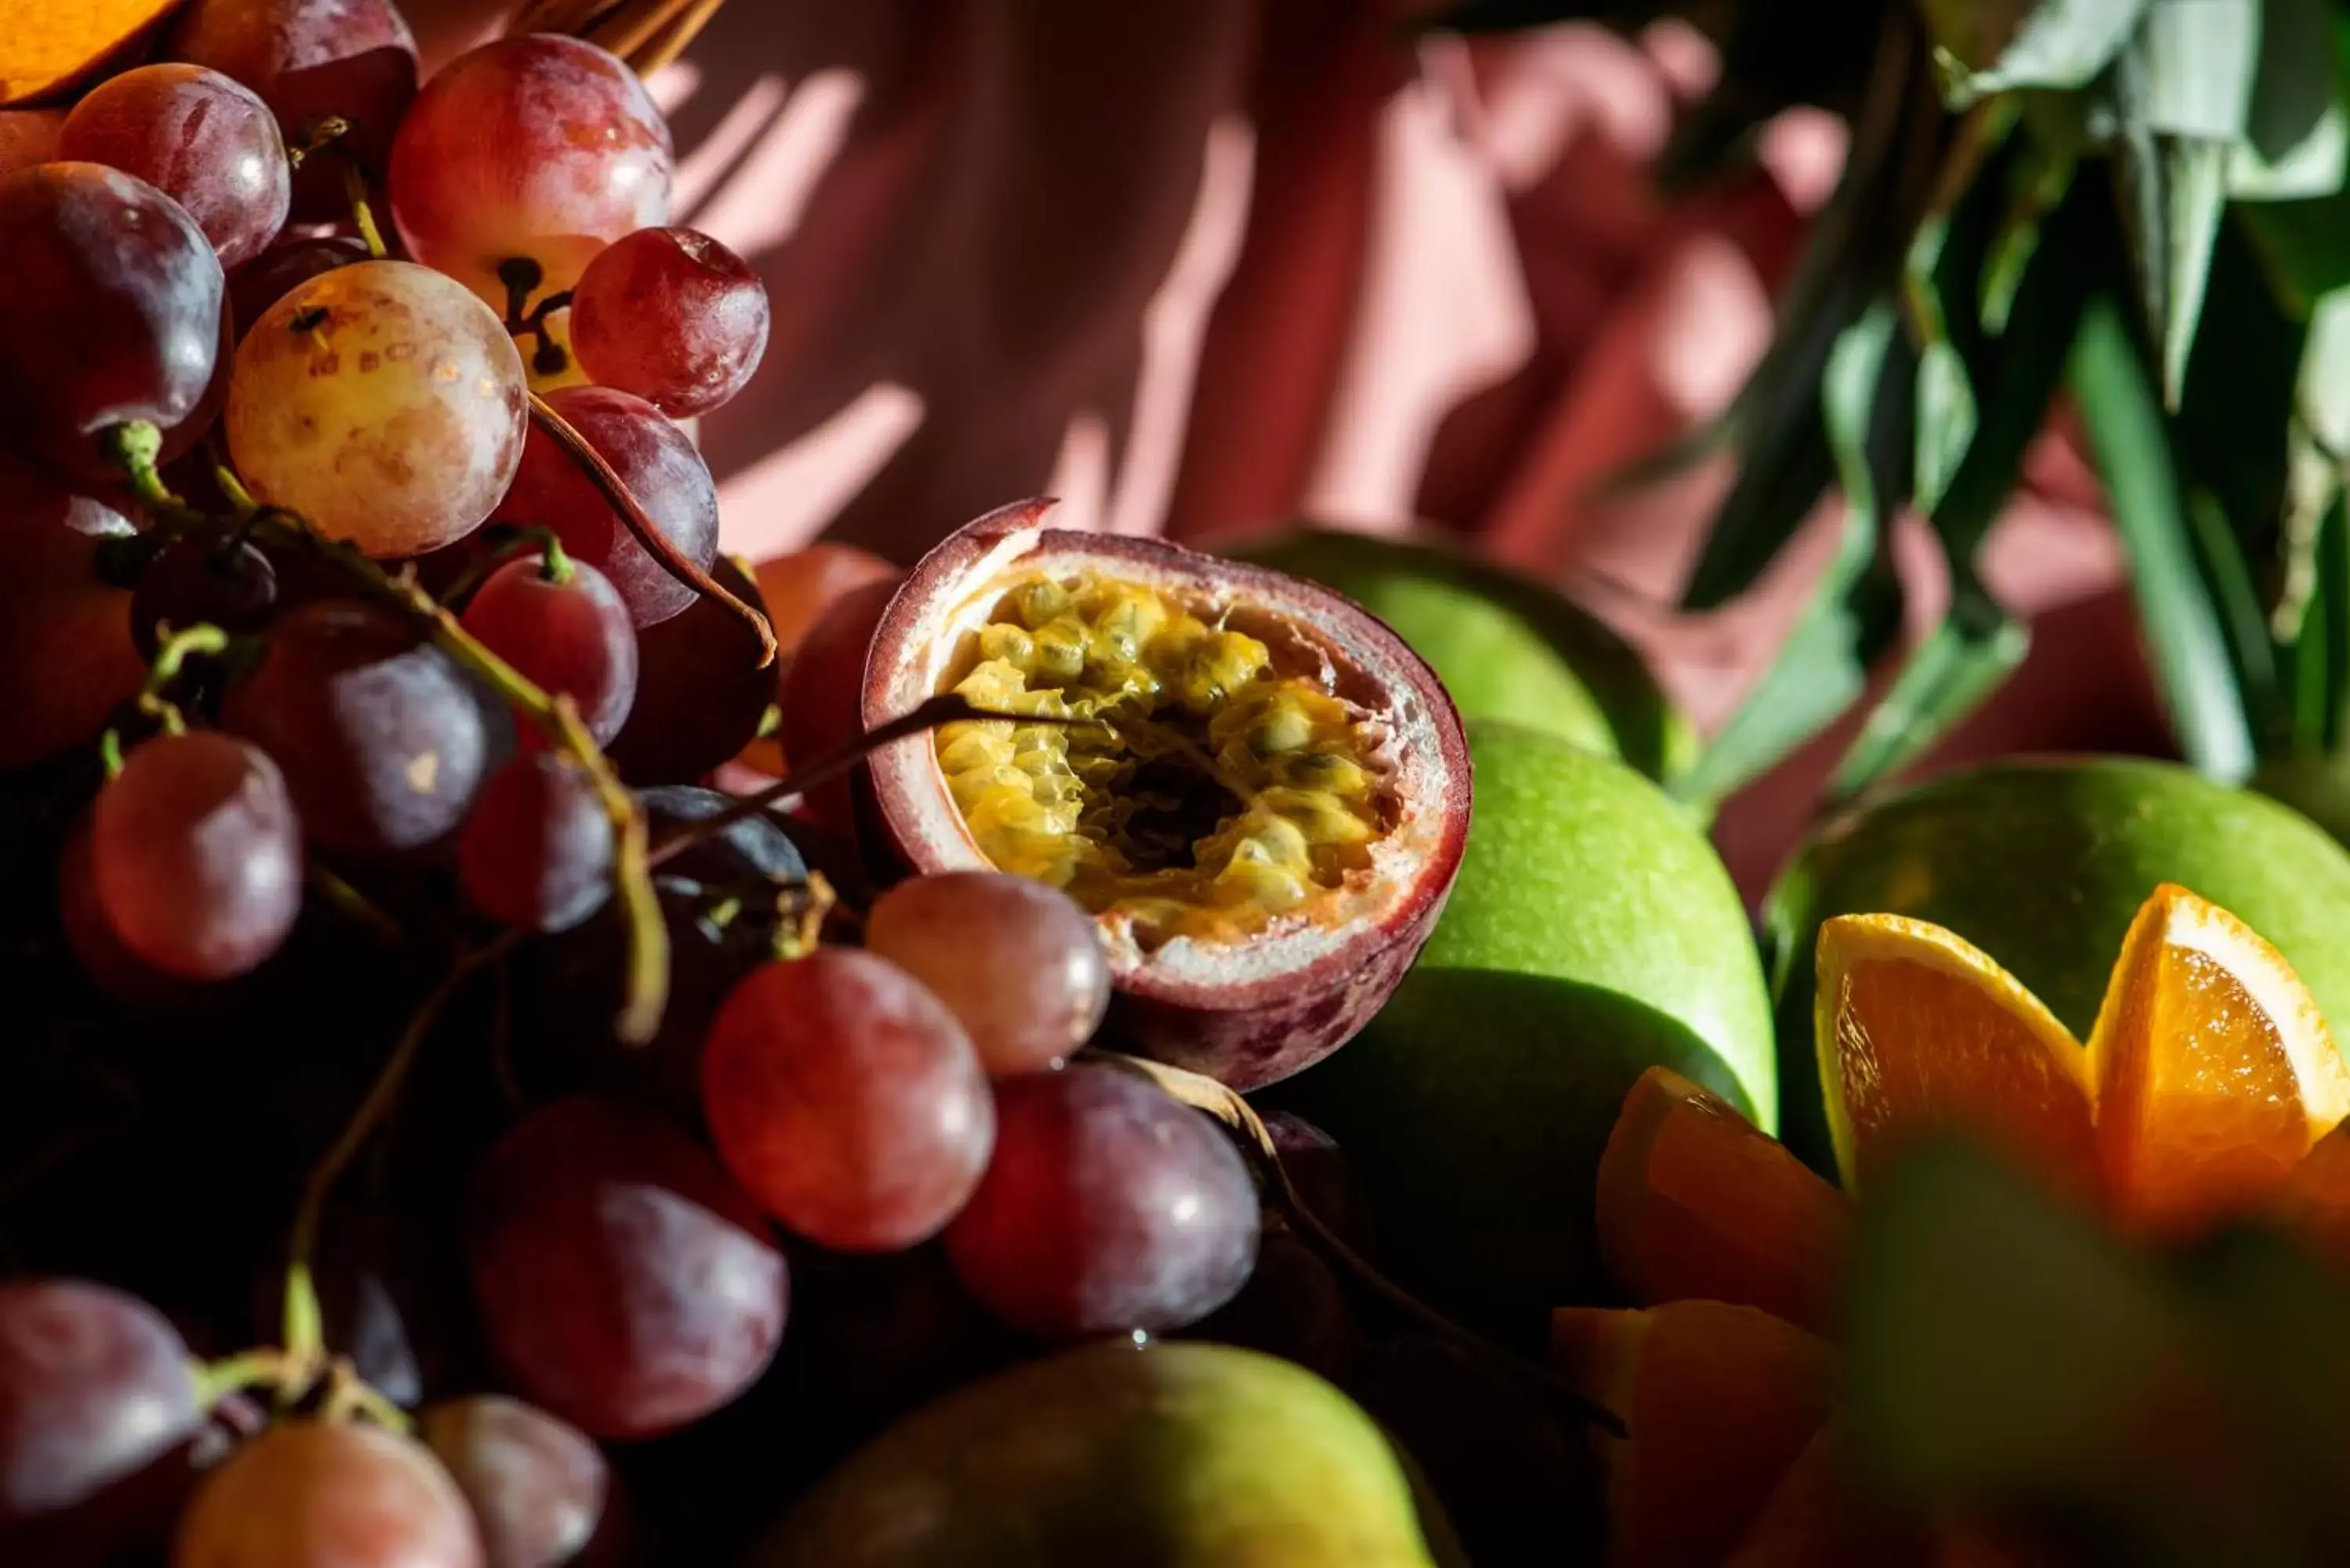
(1504, 647)
(2042, 865)
(1593, 933)
(1180, 1454)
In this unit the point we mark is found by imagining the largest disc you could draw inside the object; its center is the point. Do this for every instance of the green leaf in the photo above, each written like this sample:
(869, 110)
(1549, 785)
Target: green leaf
(2233, 422)
(2294, 136)
(2181, 623)
(1946, 419)
(1855, 250)
(1997, 1342)
(2036, 183)
(2004, 1352)
(2201, 59)
(1961, 661)
(2018, 374)
(2228, 577)
(2321, 394)
(1856, 609)
(1989, 46)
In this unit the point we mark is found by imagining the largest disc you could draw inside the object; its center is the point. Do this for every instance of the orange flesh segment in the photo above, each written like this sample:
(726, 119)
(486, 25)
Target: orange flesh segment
(1920, 1033)
(1717, 1401)
(1695, 1202)
(2215, 1072)
(48, 44)
(2314, 1201)
(1815, 1519)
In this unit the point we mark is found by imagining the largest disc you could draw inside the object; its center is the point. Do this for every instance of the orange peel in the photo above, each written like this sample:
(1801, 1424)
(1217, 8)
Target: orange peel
(50, 46)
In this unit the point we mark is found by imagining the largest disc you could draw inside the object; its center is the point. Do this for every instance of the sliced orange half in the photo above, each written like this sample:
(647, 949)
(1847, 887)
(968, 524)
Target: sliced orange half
(2214, 1071)
(1919, 1032)
(1695, 1201)
(1717, 1402)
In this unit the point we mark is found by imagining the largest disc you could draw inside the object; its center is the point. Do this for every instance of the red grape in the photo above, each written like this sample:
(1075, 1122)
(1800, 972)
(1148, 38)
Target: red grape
(660, 469)
(1318, 1172)
(624, 1282)
(307, 58)
(671, 316)
(535, 147)
(111, 313)
(1110, 1207)
(537, 1485)
(382, 403)
(538, 850)
(1293, 1306)
(570, 637)
(380, 738)
(848, 1100)
(28, 136)
(306, 1494)
(701, 693)
(197, 856)
(281, 269)
(99, 949)
(206, 142)
(1018, 963)
(198, 581)
(65, 653)
(94, 1386)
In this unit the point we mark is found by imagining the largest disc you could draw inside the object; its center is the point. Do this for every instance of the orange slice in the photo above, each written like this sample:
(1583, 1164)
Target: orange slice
(2314, 1201)
(1695, 1202)
(1717, 1402)
(1816, 1518)
(1919, 1032)
(48, 46)
(2214, 1071)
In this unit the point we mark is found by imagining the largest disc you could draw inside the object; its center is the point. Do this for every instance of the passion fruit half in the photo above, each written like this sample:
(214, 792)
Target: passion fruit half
(1257, 789)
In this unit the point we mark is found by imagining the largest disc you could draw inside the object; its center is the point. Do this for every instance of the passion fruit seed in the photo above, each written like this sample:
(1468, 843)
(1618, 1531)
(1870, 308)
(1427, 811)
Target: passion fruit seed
(1222, 784)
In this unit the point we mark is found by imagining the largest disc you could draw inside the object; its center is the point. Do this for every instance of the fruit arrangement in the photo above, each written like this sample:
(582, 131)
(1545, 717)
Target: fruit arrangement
(1149, 1056)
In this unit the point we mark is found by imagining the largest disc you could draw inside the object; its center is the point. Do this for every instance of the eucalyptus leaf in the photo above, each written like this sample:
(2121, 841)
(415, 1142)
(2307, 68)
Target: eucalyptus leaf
(1855, 612)
(1961, 661)
(2123, 419)
(2313, 166)
(1992, 45)
(2037, 182)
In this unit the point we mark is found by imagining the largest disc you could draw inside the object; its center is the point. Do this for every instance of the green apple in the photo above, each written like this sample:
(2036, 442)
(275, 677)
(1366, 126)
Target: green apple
(1591, 934)
(1505, 646)
(2042, 865)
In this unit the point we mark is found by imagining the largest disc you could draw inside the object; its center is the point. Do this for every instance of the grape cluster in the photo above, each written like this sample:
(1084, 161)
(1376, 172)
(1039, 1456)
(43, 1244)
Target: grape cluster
(383, 642)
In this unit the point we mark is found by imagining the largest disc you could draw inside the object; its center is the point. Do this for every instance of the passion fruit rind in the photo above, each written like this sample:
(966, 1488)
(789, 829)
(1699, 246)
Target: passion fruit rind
(1260, 792)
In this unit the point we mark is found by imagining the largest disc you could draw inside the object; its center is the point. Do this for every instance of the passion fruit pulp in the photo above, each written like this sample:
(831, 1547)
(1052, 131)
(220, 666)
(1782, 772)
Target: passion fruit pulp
(1257, 790)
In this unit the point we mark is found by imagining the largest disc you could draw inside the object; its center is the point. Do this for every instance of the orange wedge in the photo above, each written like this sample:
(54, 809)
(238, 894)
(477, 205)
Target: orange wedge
(1816, 1519)
(1919, 1032)
(2214, 1071)
(2314, 1204)
(48, 45)
(1695, 1202)
(1717, 1402)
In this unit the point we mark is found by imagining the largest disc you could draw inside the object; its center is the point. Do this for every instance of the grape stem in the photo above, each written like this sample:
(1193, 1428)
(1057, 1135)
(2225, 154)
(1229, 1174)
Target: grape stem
(326, 134)
(1248, 1129)
(557, 717)
(648, 532)
(165, 669)
(304, 1330)
(948, 708)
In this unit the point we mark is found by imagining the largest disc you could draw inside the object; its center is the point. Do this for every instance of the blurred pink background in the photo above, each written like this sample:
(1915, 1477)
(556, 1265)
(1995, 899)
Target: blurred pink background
(1201, 266)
